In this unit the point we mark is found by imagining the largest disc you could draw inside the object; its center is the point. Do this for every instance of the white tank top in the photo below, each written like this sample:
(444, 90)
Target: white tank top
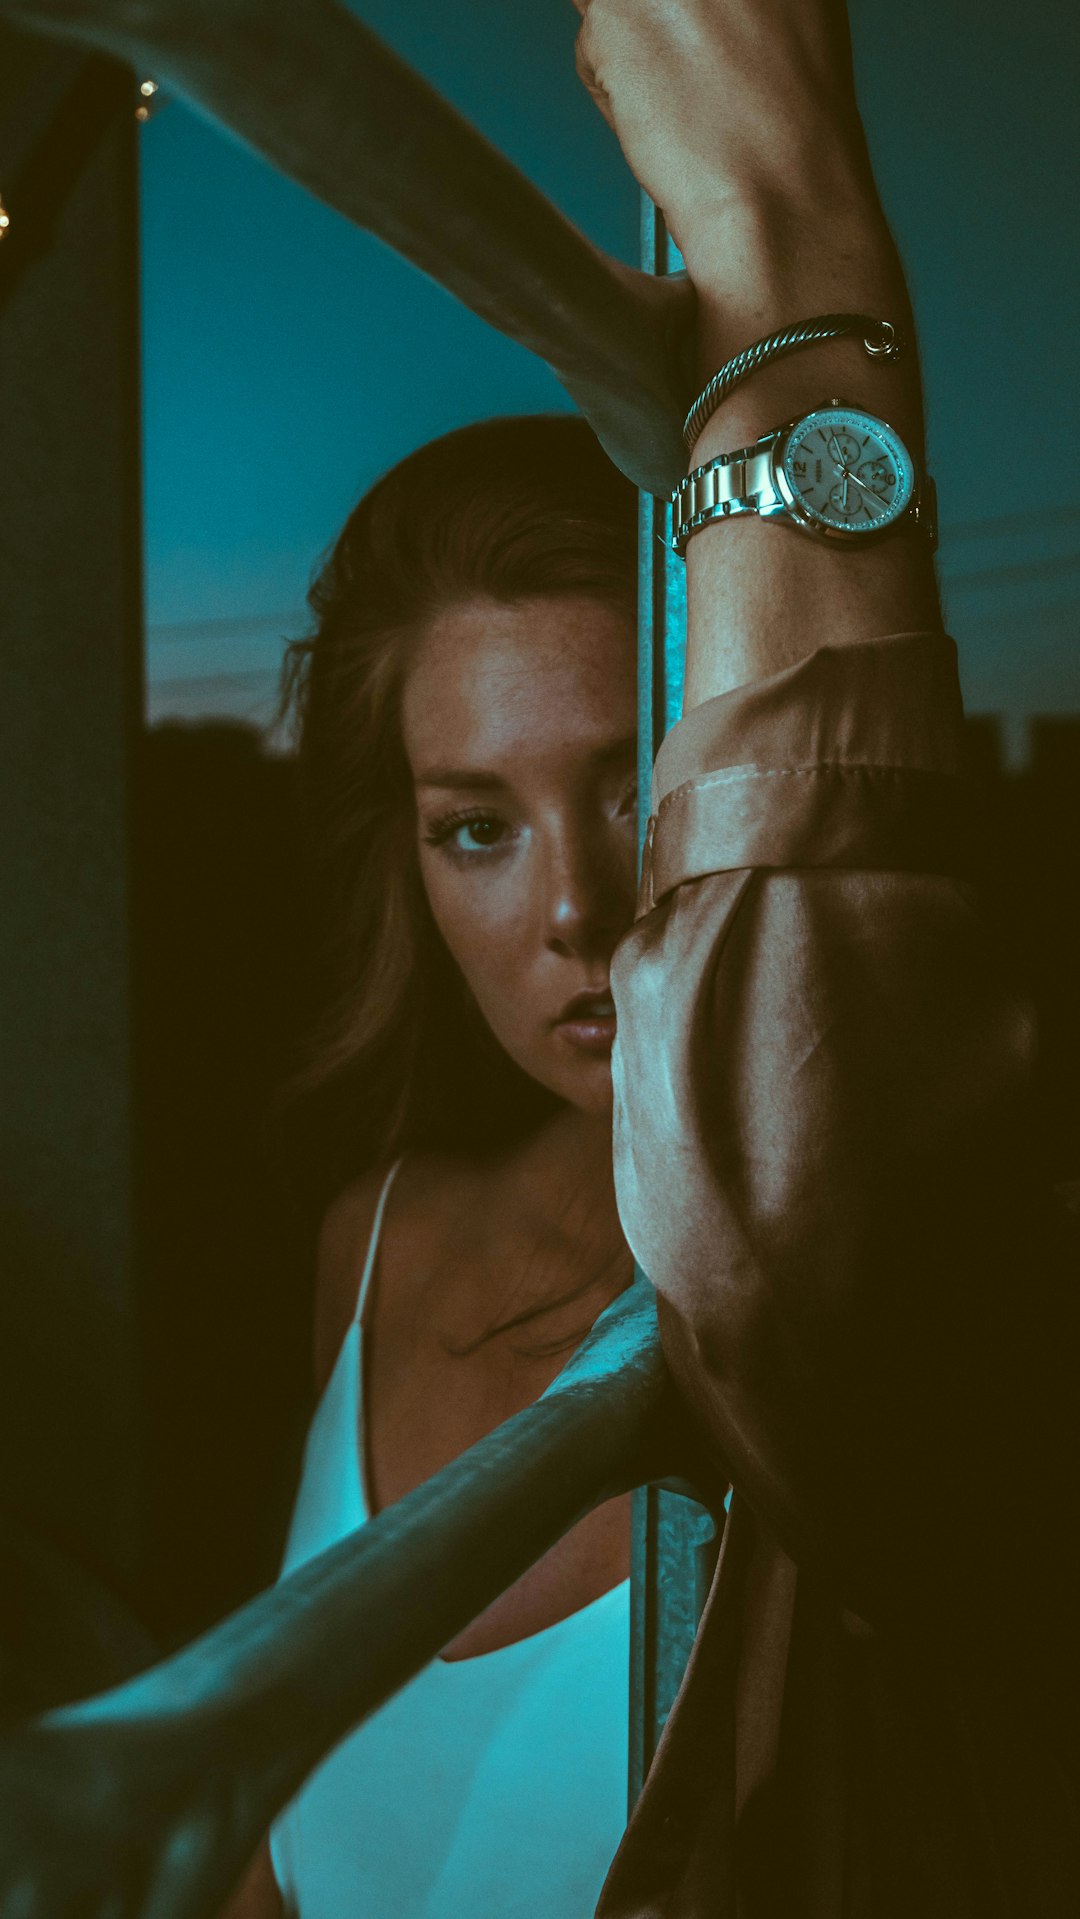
(488, 1788)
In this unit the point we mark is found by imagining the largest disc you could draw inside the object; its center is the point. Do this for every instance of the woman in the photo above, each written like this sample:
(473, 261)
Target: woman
(822, 1103)
(467, 755)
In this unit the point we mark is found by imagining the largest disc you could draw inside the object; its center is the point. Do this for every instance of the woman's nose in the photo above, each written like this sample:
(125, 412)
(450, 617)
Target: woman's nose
(590, 895)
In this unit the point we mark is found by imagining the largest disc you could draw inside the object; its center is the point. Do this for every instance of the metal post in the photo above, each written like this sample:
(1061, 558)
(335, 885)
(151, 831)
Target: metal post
(70, 708)
(673, 1538)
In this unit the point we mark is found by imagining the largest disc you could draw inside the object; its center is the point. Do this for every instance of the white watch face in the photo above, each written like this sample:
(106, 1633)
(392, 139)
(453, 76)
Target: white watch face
(847, 470)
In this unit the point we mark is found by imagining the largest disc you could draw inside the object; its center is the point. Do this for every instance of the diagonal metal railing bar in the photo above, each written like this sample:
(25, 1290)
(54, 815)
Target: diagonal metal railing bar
(313, 90)
(147, 1801)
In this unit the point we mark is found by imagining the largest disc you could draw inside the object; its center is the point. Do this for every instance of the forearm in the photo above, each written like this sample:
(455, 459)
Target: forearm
(760, 595)
(739, 118)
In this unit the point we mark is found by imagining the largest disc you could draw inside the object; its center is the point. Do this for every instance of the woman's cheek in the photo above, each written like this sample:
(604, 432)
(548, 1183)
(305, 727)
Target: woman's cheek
(479, 916)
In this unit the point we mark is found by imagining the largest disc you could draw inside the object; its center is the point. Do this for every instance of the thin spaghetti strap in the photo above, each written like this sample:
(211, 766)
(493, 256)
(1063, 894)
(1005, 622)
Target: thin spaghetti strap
(373, 1242)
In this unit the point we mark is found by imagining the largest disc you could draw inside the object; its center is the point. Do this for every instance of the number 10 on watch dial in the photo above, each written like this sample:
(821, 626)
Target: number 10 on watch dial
(846, 471)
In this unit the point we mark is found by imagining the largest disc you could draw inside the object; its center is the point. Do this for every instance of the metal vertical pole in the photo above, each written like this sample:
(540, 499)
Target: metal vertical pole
(673, 1538)
(70, 709)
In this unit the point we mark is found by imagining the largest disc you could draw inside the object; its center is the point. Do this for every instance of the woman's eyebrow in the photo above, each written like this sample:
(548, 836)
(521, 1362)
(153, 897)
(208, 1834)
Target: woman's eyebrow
(473, 777)
(458, 776)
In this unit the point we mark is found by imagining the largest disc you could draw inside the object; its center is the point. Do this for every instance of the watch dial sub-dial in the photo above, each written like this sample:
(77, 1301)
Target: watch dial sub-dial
(880, 475)
(845, 498)
(844, 448)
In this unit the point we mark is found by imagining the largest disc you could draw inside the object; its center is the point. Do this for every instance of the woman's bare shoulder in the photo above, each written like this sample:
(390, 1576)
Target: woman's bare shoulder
(423, 1190)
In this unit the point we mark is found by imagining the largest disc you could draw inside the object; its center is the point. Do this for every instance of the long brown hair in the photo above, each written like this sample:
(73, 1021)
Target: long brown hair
(398, 1056)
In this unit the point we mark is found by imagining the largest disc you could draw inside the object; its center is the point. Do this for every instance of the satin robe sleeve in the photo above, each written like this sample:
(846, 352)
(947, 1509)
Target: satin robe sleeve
(823, 1086)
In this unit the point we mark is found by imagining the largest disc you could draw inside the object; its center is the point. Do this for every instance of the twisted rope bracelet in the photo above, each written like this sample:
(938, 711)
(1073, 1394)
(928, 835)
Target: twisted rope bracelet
(881, 341)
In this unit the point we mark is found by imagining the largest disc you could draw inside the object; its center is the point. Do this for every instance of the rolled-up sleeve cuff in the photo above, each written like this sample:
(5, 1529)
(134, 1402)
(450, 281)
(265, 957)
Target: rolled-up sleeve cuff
(851, 758)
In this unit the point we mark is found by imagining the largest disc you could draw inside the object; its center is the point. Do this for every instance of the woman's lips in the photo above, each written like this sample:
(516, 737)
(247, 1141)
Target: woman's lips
(592, 1032)
(591, 1027)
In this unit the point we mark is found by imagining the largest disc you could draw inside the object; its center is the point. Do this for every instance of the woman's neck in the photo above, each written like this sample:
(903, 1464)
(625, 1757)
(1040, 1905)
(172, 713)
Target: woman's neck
(566, 1165)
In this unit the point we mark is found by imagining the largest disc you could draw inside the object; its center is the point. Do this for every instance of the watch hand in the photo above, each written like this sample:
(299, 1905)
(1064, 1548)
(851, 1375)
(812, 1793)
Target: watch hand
(876, 497)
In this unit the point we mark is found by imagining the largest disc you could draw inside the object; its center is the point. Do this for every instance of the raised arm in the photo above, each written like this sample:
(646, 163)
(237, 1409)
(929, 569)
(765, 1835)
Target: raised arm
(821, 1078)
(740, 120)
(825, 1153)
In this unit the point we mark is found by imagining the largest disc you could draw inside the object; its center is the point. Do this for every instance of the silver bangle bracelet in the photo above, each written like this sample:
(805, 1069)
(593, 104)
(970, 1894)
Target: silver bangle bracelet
(881, 341)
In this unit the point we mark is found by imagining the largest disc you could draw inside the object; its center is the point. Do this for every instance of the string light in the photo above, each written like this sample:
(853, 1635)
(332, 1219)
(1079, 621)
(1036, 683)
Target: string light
(5, 220)
(148, 101)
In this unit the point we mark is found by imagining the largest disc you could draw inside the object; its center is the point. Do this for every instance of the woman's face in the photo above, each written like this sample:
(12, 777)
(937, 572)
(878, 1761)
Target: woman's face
(520, 728)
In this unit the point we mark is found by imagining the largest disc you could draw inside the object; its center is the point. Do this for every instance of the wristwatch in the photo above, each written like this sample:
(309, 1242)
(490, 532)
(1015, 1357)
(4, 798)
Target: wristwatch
(836, 473)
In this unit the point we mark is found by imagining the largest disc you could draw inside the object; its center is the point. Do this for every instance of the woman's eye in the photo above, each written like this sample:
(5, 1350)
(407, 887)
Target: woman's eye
(466, 833)
(480, 832)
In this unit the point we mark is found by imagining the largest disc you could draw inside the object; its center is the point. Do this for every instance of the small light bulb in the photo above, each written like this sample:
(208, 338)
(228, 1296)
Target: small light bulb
(150, 99)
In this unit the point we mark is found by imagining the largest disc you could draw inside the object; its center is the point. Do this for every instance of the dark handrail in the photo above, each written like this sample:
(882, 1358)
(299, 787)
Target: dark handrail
(148, 1801)
(319, 95)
